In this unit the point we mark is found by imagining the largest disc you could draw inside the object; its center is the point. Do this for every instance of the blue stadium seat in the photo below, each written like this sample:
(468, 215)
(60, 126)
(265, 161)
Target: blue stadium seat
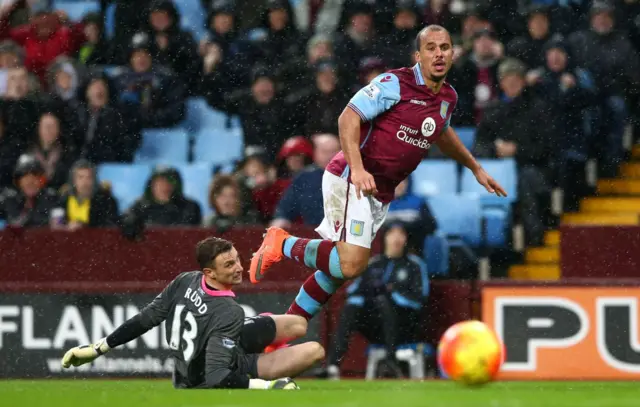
(436, 253)
(2, 224)
(166, 146)
(192, 17)
(459, 217)
(496, 211)
(111, 70)
(128, 181)
(196, 179)
(218, 146)
(200, 114)
(110, 20)
(502, 170)
(467, 136)
(434, 177)
(76, 10)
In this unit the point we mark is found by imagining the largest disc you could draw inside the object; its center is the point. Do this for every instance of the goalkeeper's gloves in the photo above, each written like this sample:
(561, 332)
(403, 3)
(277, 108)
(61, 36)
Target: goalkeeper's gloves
(285, 383)
(85, 354)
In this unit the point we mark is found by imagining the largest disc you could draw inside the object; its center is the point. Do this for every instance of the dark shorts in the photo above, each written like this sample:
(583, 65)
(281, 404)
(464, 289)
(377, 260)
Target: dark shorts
(247, 364)
(257, 333)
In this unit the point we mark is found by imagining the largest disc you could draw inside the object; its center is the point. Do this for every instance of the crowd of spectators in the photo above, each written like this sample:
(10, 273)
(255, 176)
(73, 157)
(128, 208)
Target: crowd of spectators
(550, 83)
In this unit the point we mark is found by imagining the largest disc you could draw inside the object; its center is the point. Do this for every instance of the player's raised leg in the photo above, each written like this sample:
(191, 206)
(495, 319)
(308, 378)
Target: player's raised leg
(351, 222)
(289, 362)
(349, 225)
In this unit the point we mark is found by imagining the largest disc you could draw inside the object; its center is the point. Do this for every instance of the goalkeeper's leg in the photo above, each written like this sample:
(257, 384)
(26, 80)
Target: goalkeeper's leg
(289, 362)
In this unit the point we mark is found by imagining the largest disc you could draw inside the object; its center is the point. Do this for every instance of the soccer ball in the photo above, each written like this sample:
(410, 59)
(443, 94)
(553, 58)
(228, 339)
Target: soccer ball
(470, 353)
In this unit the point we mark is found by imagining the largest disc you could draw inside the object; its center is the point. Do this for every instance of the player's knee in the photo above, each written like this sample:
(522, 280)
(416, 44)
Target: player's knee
(299, 328)
(316, 351)
(353, 259)
(352, 268)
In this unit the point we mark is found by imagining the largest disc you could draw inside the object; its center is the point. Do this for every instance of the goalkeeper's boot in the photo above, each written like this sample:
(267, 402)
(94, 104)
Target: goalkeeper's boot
(81, 355)
(269, 253)
(286, 383)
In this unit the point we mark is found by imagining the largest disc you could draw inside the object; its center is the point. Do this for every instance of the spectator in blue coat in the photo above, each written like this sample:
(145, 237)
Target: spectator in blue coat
(414, 212)
(385, 303)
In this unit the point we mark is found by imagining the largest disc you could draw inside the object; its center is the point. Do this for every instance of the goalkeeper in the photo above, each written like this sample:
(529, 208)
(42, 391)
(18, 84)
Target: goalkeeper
(211, 342)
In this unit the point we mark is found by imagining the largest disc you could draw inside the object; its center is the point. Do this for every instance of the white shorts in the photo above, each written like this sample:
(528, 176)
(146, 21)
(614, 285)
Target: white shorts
(347, 218)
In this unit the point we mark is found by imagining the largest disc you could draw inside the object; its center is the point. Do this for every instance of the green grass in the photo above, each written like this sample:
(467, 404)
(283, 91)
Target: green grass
(348, 393)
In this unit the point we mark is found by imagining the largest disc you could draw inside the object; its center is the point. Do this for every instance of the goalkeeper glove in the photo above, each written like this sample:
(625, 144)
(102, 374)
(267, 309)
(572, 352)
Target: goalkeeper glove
(285, 383)
(85, 354)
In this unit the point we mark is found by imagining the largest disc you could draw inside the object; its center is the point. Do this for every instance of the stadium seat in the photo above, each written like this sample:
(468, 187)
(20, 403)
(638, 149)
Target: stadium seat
(196, 179)
(110, 20)
(496, 211)
(166, 146)
(436, 253)
(412, 353)
(76, 10)
(192, 17)
(218, 146)
(2, 224)
(200, 115)
(111, 70)
(467, 136)
(434, 177)
(128, 181)
(458, 217)
(502, 170)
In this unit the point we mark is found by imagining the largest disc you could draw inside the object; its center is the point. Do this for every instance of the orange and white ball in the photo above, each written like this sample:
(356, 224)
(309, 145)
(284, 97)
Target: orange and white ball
(470, 353)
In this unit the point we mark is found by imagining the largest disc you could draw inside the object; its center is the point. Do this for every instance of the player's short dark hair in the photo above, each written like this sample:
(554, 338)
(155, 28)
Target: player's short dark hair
(429, 28)
(208, 249)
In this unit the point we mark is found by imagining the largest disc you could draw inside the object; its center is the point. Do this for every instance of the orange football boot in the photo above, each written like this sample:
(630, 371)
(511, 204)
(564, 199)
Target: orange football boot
(269, 253)
(272, 348)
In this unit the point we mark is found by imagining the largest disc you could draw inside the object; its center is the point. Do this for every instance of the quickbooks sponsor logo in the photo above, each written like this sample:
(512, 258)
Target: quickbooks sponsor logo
(414, 141)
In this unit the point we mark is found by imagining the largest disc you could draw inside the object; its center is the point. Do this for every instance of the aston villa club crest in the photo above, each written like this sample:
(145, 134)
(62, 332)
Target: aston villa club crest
(357, 228)
(444, 108)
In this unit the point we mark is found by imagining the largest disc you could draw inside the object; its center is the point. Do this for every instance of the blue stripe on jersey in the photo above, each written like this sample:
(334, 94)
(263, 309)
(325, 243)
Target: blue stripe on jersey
(376, 98)
(368, 134)
(345, 173)
(418, 74)
(454, 91)
(357, 110)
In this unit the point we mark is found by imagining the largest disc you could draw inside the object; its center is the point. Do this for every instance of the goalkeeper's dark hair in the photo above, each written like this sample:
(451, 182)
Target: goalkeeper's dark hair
(429, 28)
(208, 249)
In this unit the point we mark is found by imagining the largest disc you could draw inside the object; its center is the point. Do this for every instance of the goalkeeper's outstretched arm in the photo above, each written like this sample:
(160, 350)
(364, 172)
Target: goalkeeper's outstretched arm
(151, 316)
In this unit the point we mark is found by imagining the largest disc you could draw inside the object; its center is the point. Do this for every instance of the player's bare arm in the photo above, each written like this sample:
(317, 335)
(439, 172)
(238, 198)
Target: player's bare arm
(435, 53)
(450, 144)
(349, 129)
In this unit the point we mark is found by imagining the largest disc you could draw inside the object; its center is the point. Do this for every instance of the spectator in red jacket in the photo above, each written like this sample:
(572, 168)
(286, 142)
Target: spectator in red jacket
(44, 37)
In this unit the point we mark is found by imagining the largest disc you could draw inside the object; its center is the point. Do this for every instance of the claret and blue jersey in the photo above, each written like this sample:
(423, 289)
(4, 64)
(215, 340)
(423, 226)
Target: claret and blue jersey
(402, 118)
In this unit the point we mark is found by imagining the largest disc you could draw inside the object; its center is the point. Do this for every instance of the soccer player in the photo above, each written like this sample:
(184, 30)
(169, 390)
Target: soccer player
(212, 344)
(385, 131)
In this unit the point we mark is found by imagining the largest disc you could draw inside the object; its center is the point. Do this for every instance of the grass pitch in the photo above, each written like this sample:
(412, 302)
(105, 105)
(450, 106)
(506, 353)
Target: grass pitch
(347, 393)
